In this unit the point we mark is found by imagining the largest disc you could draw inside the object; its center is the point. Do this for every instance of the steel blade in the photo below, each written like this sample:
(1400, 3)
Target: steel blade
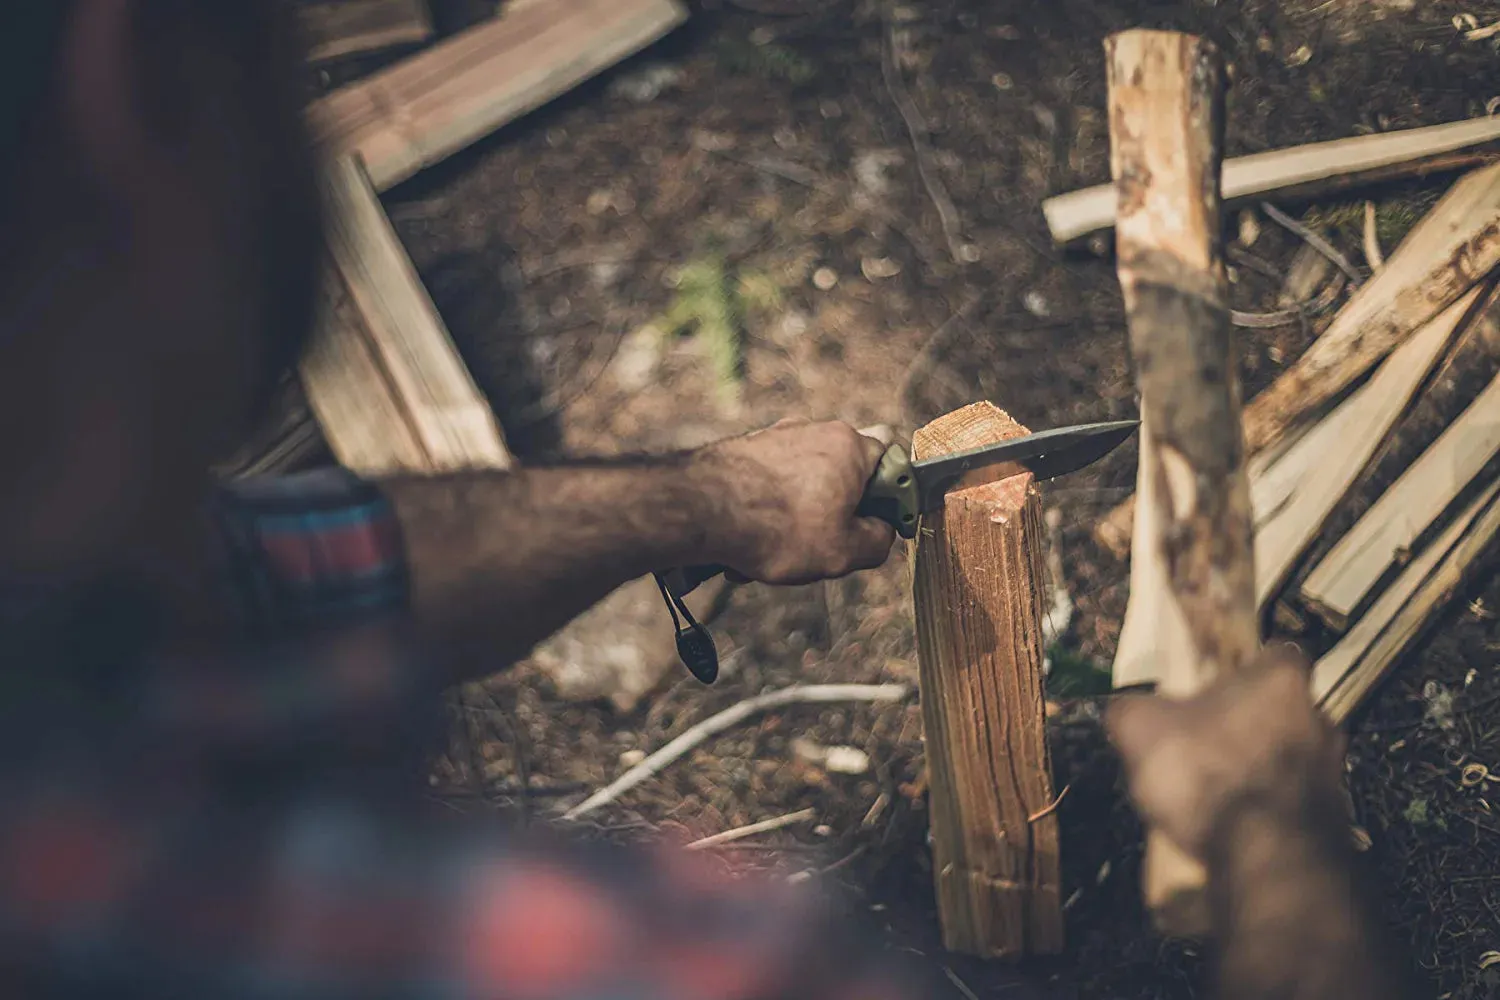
(1046, 455)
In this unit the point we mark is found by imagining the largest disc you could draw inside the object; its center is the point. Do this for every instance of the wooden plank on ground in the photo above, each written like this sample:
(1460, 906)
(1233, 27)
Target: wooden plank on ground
(1345, 676)
(427, 107)
(337, 29)
(1197, 616)
(382, 374)
(1389, 531)
(1327, 461)
(1366, 157)
(978, 596)
(1455, 246)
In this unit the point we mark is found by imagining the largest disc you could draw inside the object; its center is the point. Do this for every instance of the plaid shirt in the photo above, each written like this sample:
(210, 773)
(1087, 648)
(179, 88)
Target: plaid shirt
(249, 825)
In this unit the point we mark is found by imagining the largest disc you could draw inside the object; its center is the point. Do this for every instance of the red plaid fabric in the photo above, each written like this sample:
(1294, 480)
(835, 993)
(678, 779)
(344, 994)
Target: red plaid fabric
(253, 826)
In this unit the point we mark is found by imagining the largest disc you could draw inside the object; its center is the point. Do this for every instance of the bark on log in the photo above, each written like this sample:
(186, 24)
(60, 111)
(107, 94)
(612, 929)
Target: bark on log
(978, 595)
(1193, 528)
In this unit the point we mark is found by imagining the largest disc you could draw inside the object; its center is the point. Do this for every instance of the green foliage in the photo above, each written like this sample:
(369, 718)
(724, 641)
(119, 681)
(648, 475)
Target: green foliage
(742, 57)
(712, 305)
(1419, 813)
(1075, 676)
(1394, 218)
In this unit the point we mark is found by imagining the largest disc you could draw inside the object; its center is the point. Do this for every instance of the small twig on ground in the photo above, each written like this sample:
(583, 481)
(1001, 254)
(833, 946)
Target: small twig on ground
(1265, 320)
(1373, 255)
(1313, 240)
(764, 826)
(1315, 306)
(728, 719)
(916, 128)
(1043, 814)
(959, 984)
(1481, 34)
(1246, 259)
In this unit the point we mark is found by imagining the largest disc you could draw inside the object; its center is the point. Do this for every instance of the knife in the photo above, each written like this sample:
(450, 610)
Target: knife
(902, 490)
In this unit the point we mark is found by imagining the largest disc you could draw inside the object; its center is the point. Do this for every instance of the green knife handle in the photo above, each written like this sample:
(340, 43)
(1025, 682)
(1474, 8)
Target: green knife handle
(892, 493)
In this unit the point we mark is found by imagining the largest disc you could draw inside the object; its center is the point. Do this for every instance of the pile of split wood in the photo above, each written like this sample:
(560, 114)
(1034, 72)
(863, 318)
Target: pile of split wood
(1392, 414)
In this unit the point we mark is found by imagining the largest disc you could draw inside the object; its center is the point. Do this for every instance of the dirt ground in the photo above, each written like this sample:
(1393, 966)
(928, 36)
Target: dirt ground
(735, 227)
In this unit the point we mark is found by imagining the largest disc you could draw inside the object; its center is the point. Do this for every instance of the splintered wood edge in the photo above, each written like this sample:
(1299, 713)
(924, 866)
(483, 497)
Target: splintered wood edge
(974, 426)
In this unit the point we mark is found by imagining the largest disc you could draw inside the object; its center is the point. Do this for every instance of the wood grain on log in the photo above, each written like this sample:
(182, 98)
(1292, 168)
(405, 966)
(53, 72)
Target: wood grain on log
(978, 594)
(382, 374)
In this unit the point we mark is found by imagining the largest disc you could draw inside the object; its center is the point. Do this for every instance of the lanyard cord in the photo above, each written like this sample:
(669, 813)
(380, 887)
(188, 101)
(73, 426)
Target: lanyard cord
(695, 644)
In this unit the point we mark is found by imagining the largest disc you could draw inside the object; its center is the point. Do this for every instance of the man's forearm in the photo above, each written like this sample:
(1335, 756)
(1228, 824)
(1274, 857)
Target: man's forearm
(500, 561)
(1289, 916)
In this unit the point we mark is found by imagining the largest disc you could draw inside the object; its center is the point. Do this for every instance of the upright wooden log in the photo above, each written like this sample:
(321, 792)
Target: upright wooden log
(1193, 525)
(978, 593)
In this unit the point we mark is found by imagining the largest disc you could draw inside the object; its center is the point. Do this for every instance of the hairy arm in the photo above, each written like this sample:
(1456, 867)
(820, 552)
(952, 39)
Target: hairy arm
(1247, 776)
(499, 561)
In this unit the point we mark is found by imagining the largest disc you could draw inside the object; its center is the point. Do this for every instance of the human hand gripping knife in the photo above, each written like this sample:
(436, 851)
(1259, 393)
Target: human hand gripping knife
(901, 491)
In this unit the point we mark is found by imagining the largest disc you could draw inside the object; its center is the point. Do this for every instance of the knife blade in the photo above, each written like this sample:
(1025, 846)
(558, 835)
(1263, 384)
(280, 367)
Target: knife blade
(901, 489)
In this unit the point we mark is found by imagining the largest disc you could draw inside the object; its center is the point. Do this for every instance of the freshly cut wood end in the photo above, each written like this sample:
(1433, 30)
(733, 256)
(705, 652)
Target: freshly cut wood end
(973, 426)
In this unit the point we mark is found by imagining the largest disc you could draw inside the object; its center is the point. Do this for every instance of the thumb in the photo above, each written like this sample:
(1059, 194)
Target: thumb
(874, 448)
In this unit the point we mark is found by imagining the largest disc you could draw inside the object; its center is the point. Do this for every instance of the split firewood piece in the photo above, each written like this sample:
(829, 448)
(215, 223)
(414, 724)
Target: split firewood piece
(978, 595)
(1450, 250)
(1346, 675)
(382, 374)
(1166, 129)
(1331, 457)
(336, 29)
(1302, 170)
(425, 108)
(1390, 530)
